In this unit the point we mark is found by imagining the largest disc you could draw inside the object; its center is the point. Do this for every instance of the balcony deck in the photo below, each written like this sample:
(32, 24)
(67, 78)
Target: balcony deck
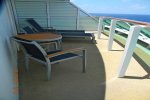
(99, 83)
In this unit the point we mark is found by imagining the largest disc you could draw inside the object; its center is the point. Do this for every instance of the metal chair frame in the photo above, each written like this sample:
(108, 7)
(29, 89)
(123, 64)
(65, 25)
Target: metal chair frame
(47, 57)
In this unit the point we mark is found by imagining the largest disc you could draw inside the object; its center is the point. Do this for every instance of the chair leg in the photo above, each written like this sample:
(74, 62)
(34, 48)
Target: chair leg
(49, 47)
(93, 39)
(26, 63)
(59, 44)
(84, 61)
(56, 45)
(48, 71)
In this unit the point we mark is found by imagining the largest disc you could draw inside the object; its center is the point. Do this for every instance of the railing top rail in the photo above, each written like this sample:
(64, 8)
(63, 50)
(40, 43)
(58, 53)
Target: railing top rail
(131, 21)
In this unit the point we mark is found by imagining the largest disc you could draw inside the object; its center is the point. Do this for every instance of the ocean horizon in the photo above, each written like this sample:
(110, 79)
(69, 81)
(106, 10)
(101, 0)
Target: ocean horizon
(137, 17)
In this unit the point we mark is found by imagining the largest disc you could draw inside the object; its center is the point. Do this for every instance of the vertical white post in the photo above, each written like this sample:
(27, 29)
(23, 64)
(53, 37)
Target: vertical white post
(78, 17)
(48, 14)
(129, 48)
(100, 27)
(111, 33)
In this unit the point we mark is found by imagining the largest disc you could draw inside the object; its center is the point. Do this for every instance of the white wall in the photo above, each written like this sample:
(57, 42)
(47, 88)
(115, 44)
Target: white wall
(8, 55)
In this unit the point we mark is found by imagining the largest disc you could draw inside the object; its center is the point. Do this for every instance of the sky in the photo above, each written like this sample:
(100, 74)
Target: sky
(114, 6)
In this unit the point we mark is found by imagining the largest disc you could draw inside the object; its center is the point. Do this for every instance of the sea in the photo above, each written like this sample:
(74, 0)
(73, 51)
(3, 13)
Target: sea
(143, 18)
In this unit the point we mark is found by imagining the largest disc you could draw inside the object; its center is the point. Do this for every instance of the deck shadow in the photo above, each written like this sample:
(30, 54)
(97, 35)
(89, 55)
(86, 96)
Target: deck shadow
(136, 77)
(68, 82)
(116, 50)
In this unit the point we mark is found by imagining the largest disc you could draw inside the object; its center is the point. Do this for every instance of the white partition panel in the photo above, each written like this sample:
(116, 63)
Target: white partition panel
(59, 14)
(63, 23)
(62, 16)
(86, 22)
(31, 9)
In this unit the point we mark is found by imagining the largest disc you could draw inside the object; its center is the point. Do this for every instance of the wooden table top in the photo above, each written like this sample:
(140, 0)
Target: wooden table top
(40, 37)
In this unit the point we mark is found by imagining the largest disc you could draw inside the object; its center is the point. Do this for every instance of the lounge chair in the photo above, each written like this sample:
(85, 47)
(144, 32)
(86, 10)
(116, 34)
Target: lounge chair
(64, 33)
(76, 34)
(28, 30)
(34, 51)
(37, 27)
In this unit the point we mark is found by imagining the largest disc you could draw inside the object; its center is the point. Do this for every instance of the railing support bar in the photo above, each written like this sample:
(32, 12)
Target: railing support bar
(111, 33)
(100, 27)
(129, 49)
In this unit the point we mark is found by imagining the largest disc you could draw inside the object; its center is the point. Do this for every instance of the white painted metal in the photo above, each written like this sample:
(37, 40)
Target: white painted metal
(78, 11)
(11, 16)
(111, 33)
(15, 13)
(48, 13)
(100, 27)
(129, 48)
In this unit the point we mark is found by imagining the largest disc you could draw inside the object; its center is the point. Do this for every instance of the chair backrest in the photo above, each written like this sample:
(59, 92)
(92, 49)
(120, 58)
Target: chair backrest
(34, 24)
(32, 48)
(28, 30)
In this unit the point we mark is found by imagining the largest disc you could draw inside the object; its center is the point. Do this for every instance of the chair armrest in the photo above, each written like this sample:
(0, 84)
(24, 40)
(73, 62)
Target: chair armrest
(65, 51)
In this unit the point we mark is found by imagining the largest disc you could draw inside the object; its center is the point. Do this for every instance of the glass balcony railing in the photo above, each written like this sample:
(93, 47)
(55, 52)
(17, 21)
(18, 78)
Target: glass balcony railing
(142, 49)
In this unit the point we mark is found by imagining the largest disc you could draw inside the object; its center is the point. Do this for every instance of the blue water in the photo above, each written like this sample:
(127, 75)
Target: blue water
(143, 18)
